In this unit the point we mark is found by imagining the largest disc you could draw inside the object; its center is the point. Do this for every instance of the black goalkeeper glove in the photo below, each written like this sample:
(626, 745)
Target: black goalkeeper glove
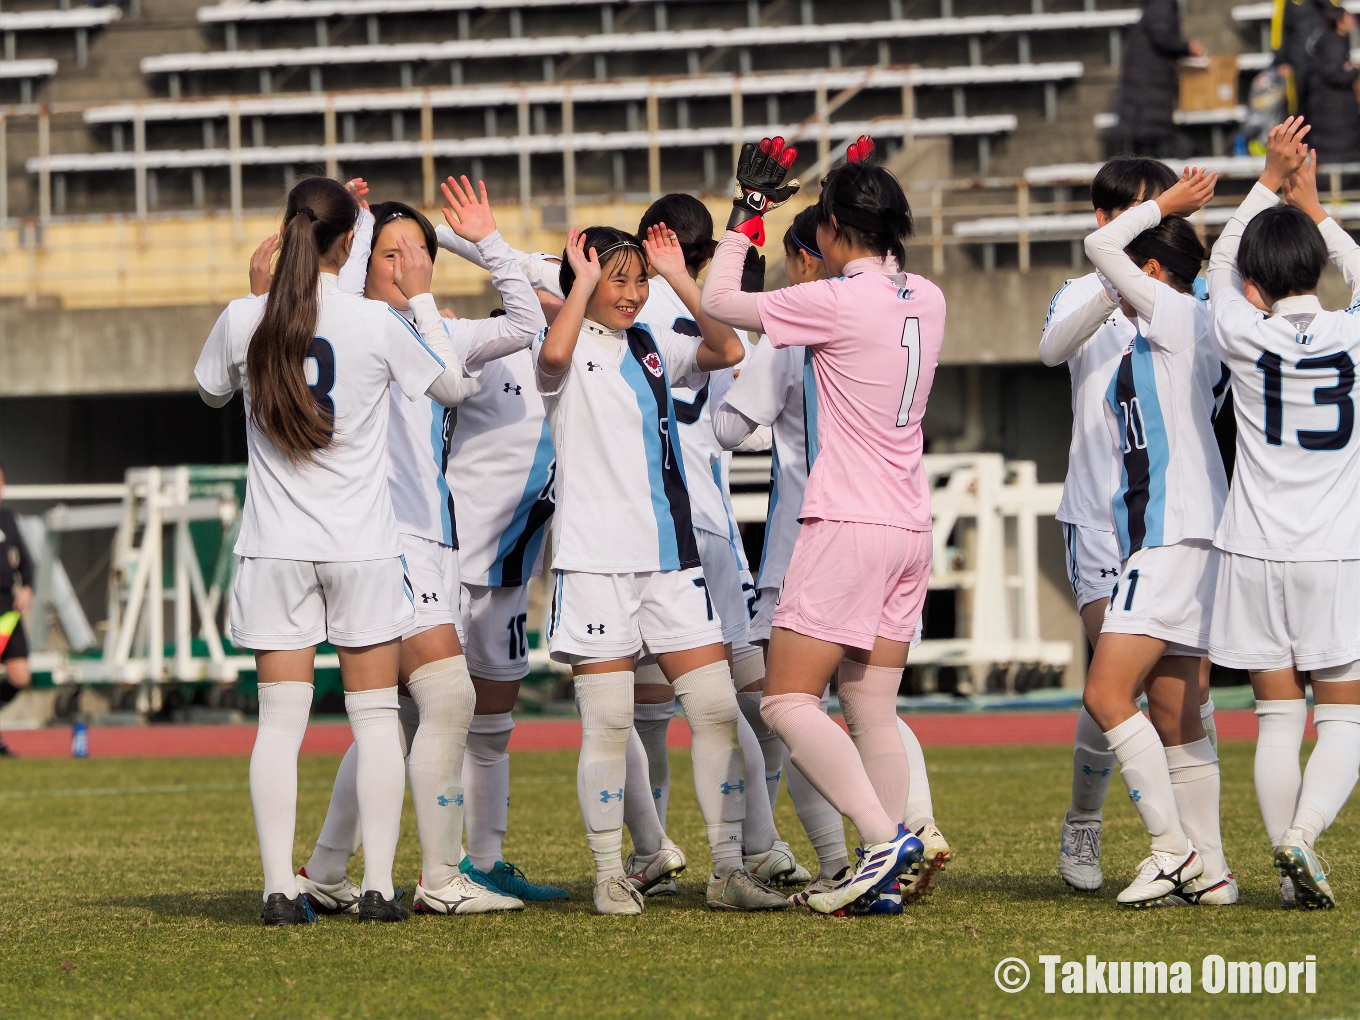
(753, 272)
(761, 170)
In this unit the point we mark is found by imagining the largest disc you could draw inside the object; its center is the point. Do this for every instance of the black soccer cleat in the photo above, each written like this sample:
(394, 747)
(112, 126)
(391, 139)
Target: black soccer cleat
(372, 907)
(5, 751)
(279, 911)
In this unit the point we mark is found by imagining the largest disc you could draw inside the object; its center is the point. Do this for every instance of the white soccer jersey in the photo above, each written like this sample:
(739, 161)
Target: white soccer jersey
(337, 505)
(622, 502)
(1297, 476)
(777, 388)
(501, 472)
(1089, 485)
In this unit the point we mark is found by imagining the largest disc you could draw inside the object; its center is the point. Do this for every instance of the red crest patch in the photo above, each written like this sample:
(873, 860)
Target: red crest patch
(653, 363)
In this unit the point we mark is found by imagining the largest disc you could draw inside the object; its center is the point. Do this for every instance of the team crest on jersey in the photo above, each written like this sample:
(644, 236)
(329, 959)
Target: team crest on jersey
(652, 362)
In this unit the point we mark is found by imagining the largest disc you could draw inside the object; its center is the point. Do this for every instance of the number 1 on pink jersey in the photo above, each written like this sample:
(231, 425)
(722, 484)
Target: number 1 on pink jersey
(911, 340)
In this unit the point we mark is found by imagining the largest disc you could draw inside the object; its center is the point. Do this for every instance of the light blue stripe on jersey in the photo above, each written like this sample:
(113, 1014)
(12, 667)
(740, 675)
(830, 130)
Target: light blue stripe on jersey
(533, 488)
(667, 550)
(731, 524)
(416, 333)
(437, 452)
(1201, 288)
(1054, 303)
(810, 408)
(774, 502)
(1158, 450)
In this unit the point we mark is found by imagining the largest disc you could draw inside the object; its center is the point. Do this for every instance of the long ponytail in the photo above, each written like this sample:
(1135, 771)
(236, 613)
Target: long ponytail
(319, 214)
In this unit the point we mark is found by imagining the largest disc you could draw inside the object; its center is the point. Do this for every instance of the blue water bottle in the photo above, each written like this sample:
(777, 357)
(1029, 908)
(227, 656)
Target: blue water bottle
(80, 741)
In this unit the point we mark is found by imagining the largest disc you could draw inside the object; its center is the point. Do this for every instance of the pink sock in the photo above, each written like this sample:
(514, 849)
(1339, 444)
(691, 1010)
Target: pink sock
(829, 761)
(869, 700)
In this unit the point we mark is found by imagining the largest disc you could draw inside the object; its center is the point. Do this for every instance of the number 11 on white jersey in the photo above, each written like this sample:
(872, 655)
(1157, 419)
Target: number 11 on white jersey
(911, 340)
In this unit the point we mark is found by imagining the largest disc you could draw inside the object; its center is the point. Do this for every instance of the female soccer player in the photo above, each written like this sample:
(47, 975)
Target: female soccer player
(320, 556)
(433, 667)
(625, 562)
(858, 576)
(1160, 404)
(1289, 580)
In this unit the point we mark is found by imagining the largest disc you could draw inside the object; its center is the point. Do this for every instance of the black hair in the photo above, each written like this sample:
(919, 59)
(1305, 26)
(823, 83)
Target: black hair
(1124, 180)
(1282, 253)
(1175, 246)
(610, 244)
(690, 220)
(869, 207)
(385, 212)
(802, 234)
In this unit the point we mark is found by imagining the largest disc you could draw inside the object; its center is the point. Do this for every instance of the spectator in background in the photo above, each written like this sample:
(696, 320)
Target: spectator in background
(1149, 81)
(1330, 104)
(16, 592)
(1294, 26)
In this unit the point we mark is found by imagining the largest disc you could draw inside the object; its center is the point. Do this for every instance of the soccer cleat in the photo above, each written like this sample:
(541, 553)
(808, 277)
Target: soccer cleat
(1160, 875)
(463, 895)
(919, 878)
(340, 897)
(878, 866)
(1205, 892)
(740, 890)
(373, 907)
(617, 896)
(818, 885)
(799, 876)
(1306, 870)
(1079, 858)
(1288, 901)
(511, 881)
(646, 871)
(279, 911)
(889, 900)
(775, 864)
(666, 888)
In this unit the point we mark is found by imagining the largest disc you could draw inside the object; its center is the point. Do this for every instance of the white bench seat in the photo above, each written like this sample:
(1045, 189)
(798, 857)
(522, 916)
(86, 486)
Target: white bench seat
(1061, 174)
(1062, 226)
(632, 42)
(58, 20)
(309, 10)
(1246, 13)
(1227, 115)
(27, 69)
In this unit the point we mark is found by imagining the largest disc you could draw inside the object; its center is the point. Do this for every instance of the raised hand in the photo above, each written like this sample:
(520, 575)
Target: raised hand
(358, 187)
(586, 265)
(1300, 189)
(261, 265)
(1285, 151)
(664, 252)
(468, 212)
(760, 187)
(1190, 194)
(412, 269)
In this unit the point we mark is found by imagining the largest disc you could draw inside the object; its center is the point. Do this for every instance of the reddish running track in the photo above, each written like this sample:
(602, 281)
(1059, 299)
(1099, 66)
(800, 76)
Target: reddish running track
(175, 741)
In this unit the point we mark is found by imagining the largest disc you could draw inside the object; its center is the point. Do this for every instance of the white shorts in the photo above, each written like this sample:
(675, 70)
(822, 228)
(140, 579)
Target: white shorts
(288, 604)
(495, 621)
(1092, 562)
(1166, 592)
(729, 585)
(432, 569)
(763, 620)
(615, 616)
(1271, 615)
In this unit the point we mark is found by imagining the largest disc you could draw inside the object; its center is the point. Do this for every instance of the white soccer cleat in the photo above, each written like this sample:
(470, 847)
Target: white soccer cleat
(920, 877)
(340, 897)
(820, 884)
(774, 865)
(1160, 875)
(1288, 901)
(740, 890)
(463, 896)
(669, 888)
(1206, 892)
(798, 876)
(646, 871)
(616, 896)
(1079, 858)
(1301, 864)
(879, 866)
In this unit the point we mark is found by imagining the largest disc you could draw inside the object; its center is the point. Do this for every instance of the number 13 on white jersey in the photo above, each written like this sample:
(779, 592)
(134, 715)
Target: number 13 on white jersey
(911, 340)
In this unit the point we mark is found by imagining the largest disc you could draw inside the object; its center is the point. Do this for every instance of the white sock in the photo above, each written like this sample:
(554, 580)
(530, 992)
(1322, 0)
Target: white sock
(284, 708)
(1195, 781)
(652, 723)
(1142, 763)
(1092, 767)
(1332, 768)
(445, 699)
(1279, 739)
(1206, 717)
(486, 787)
(757, 830)
(639, 807)
(771, 747)
(920, 809)
(380, 780)
(823, 823)
(710, 706)
(605, 701)
(339, 839)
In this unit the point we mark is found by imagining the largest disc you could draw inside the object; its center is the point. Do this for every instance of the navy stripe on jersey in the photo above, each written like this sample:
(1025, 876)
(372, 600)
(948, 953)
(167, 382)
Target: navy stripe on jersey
(441, 441)
(645, 371)
(519, 545)
(688, 412)
(1140, 504)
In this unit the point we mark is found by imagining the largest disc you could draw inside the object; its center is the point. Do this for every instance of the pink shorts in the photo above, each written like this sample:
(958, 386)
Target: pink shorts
(850, 583)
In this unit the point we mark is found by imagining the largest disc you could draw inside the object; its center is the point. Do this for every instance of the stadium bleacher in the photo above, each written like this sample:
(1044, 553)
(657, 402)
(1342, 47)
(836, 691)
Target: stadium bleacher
(78, 20)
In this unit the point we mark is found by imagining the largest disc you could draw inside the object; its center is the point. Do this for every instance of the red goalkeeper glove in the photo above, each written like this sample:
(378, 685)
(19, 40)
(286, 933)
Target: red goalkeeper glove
(860, 150)
(761, 170)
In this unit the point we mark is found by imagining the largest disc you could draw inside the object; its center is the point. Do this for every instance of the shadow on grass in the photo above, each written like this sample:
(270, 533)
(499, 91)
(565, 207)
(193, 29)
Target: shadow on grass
(231, 906)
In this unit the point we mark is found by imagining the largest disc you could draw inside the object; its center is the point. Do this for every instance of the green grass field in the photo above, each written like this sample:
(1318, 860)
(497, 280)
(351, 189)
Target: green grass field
(130, 889)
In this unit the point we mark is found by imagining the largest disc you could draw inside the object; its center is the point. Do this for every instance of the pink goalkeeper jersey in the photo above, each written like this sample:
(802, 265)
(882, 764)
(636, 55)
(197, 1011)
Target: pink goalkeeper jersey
(875, 340)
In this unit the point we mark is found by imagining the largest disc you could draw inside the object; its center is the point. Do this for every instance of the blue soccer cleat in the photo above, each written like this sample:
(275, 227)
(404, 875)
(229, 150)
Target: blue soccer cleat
(889, 901)
(879, 866)
(510, 881)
